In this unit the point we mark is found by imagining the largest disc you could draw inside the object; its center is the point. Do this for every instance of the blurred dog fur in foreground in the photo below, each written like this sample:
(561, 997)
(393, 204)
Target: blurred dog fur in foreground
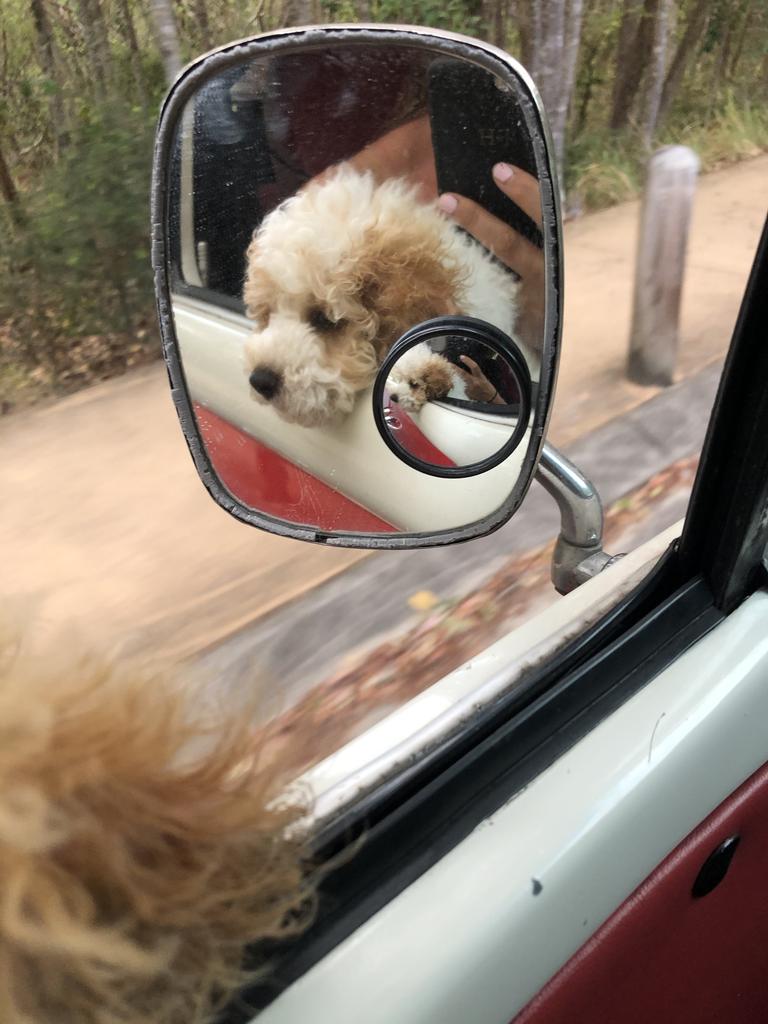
(140, 849)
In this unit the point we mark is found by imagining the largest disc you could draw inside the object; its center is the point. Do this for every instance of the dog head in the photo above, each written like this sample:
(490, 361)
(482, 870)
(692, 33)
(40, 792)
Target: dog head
(420, 376)
(142, 832)
(334, 276)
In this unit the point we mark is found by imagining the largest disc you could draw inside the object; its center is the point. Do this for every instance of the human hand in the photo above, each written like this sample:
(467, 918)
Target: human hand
(508, 245)
(479, 388)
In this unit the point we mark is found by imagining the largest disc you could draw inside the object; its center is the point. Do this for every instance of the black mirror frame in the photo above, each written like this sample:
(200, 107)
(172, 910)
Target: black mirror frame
(483, 333)
(483, 55)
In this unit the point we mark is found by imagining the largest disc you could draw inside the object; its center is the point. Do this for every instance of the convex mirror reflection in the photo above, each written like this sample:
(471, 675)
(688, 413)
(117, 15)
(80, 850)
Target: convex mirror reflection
(453, 398)
(321, 202)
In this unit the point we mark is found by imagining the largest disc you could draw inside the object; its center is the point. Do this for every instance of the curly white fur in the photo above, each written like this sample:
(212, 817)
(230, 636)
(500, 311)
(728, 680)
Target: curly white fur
(338, 272)
(420, 376)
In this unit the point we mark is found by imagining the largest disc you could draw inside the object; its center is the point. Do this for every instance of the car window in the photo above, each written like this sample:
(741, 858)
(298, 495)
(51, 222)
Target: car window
(105, 528)
(387, 645)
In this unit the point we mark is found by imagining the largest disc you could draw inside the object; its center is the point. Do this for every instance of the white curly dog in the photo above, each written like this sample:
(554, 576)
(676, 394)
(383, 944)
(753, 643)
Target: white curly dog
(338, 272)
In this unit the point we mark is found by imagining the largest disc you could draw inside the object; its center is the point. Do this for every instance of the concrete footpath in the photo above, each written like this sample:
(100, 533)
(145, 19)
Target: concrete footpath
(106, 530)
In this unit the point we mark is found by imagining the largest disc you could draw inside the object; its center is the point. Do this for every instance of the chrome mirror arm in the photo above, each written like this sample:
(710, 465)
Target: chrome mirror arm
(578, 554)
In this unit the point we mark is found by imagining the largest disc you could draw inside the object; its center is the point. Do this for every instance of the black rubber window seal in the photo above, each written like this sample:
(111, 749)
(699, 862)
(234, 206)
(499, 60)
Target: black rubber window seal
(402, 838)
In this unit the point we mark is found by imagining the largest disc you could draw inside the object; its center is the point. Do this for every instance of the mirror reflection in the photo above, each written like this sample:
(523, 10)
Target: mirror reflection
(322, 203)
(453, 401)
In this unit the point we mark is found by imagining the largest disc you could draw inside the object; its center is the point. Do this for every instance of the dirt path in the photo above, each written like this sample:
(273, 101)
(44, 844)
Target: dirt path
(728, 215)
(104, 524)
(105, 528)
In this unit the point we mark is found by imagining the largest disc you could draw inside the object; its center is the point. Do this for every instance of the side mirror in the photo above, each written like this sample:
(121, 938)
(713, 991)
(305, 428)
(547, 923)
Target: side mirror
(354, 359)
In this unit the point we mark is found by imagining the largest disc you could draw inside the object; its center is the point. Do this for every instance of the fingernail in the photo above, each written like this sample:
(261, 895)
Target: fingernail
(502, 172)
(448, 203)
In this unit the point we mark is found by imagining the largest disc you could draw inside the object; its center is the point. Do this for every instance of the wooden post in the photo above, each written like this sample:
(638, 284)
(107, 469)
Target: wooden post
(664, 223)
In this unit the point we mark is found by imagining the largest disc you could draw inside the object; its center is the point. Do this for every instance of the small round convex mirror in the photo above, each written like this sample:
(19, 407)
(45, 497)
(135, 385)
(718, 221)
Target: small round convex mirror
(453, 397)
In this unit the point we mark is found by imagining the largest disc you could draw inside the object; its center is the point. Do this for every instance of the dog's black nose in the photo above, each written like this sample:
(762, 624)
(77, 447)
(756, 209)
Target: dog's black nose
(394, 398)
(266, 382)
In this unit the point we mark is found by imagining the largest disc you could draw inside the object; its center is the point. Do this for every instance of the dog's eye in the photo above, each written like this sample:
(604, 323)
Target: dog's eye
(412, 384)
(320, 321)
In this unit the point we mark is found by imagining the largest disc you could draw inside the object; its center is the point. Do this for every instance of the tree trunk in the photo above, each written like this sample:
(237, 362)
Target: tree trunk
(49, 64)
(492, 25)
(585, 99)
(500, 37)
(694, 30)
(657, 66)
(746, 24)
(45, 45)
(723, 60)
(166, 37)
(635, 41)
(96, 41)
(133, 47)
(621, 94)
(9, 191)
(571, 56)
(547, 45)
(200, 9)
(523, 15)
(499, 25)
(554, 33)
(298, 12)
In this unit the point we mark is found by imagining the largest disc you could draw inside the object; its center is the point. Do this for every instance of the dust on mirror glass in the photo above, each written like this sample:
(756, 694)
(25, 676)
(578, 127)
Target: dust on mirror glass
(323, 202)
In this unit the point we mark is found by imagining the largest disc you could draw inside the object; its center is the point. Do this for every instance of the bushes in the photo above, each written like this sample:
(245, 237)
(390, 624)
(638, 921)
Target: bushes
(77, 269)
(75, 285)
(605, 168)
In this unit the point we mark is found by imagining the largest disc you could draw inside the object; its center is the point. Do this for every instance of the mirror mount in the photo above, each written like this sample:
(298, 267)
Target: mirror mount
(578, 554)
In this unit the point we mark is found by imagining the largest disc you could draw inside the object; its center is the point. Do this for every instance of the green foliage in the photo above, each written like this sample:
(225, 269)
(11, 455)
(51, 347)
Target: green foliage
(719, 108)
(79, 265)
(604, 169)
(453, 15)
(734, 131)
(75, 287)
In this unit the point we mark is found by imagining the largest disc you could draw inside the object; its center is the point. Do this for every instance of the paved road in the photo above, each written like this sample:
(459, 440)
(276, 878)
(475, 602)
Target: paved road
(105, 529)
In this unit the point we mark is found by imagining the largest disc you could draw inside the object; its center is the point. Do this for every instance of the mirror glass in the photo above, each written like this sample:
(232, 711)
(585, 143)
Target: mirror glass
(320, 203)
(452, 404)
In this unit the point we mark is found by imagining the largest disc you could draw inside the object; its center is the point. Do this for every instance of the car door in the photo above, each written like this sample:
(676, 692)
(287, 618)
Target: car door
(591, 846)
(592, 794)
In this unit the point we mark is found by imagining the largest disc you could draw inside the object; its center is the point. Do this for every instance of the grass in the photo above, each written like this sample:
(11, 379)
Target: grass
(605, 169)
(602, 169)
(737, 132)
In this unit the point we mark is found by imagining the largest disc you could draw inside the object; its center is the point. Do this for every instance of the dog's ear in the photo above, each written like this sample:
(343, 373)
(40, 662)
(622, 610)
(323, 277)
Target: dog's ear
(408, 278)
(437, 378)
(257, 288)
(142, 846)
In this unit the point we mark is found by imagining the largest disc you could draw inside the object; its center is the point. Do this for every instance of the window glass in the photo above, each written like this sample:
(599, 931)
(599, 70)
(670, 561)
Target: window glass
(108, 534)
(352, 650)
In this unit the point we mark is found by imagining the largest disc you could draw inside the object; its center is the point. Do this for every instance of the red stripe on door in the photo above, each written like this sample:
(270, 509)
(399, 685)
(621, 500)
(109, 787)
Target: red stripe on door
(262, 479)
(669, 957)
